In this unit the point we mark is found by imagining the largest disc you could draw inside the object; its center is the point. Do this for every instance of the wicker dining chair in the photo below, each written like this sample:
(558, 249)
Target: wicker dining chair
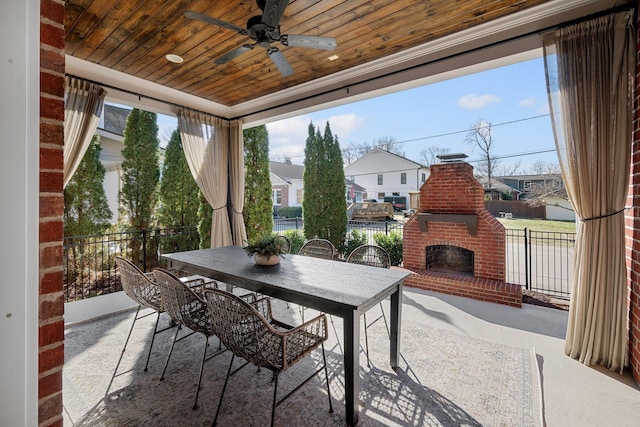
(374, 256)
(286, 241)
(250, 332)
(186, 308)
(318, 248)
(143, 289)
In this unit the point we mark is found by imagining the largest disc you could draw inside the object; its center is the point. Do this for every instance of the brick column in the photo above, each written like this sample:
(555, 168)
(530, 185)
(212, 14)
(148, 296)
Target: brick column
(51, 306)
(632, 223)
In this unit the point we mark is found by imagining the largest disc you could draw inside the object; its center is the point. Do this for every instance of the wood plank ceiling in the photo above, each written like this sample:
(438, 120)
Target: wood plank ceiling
(133, 36)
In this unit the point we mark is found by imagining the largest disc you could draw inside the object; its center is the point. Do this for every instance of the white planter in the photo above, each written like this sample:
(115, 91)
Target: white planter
(264, 260)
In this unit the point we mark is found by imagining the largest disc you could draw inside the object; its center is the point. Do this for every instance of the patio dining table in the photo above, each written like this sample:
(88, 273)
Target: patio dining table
(337, 288)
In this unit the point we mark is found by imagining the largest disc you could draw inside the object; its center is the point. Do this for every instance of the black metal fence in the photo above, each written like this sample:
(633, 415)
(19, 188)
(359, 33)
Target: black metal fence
(539, 261)
(88, 261)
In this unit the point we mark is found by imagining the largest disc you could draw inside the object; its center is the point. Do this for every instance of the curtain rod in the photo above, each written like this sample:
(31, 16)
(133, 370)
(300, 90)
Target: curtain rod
(140, 96)
(621, 8)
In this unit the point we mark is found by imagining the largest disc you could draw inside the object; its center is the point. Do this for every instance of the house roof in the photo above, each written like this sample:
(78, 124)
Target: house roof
(286, 171)
(410, 164)
(356, 187)
(114, 119)
(537, 177)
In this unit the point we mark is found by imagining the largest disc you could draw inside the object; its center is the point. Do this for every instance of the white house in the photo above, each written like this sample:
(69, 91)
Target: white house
(387, 175)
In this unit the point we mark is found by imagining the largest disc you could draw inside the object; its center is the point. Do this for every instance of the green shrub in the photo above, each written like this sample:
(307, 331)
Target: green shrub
(297, 240)
(392, 243)
(354, 239)
(290, 212)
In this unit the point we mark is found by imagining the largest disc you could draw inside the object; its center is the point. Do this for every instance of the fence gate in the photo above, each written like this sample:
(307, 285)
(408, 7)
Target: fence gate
(541, 261)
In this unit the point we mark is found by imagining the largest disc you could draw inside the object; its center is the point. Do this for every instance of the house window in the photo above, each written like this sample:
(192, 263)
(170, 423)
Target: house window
(424, 177)
(299, 196)
(380, 179)
(380, 196)
(277, 197)
(403, 178)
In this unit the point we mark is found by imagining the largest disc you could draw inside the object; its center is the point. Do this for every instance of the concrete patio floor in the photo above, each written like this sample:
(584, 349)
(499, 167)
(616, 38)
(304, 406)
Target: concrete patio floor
(573, 394)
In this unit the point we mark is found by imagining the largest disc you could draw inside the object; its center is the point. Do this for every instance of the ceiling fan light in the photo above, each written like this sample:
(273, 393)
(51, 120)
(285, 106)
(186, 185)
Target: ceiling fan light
(176, 59)
(333, 57)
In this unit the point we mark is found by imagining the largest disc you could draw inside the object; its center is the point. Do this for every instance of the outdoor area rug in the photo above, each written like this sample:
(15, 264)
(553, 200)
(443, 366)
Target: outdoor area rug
(445, 379)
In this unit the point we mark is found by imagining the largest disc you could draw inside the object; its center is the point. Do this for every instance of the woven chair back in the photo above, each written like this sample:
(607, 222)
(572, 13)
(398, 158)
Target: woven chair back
(137, 285)
(243, 330)
(318, 248)
(285, 240)
(372, 255)
(181, 303)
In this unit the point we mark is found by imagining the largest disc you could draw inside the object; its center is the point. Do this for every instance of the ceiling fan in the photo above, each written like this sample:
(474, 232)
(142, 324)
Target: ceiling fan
(263, 30)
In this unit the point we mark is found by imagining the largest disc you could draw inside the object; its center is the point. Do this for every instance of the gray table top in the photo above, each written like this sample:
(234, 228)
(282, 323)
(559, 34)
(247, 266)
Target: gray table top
(331, 286)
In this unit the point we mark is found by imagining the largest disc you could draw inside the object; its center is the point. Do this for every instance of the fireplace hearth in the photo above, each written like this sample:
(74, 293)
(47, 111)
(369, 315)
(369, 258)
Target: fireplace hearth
(453, 244)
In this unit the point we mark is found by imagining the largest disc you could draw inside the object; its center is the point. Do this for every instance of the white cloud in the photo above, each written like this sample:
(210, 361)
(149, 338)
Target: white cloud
(474, 102)
(535, 104)
(288, 136)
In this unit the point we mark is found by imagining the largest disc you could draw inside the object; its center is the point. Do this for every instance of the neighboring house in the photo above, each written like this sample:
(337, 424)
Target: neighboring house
(497, 189)
(286, 184)
(385, 174)
(111, 130)
(288, 188)
(523, 183)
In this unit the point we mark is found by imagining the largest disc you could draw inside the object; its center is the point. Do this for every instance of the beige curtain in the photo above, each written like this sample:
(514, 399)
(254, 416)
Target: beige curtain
(236, 165)
(590, 68)
(205, 140)
(83, 103)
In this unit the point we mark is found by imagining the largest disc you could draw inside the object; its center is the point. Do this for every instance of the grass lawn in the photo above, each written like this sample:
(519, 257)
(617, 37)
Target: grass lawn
(539, 225)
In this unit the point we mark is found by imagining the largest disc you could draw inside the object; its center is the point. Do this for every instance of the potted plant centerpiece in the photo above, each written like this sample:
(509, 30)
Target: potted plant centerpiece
(266, 249)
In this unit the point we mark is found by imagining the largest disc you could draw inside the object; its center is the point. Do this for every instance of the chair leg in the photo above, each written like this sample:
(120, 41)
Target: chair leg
(204, 354)
(153, 337)
(275, 391)
(170, 351)
(326, 376)
(224, 387)
(123, 350)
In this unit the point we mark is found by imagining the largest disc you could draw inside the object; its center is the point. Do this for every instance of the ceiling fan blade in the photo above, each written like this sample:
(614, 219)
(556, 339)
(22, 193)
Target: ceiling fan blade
(281, 62)
(273, 11)
(232, 54)
(317, 42)
(210, 20)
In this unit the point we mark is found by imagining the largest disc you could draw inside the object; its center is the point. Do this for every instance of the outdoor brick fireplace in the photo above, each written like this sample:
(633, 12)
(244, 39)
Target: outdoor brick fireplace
(453, 244)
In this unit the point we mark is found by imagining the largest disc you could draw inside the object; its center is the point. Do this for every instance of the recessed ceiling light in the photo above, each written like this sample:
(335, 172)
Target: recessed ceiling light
(174, 58)
(333, 57)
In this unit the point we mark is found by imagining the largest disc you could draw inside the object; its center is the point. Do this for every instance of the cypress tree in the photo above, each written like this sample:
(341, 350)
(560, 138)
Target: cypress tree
(310, 179)
(336, 207)
(324, 204)
(205, 213)
(258, 203)
(86, 210)
(179, 198)
(140, 170)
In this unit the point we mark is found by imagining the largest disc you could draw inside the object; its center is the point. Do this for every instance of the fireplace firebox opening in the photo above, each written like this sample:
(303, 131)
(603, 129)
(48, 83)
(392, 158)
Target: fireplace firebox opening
(450, 259)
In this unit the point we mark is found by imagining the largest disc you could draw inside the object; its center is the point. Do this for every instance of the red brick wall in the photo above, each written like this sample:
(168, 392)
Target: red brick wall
(452, 189)
(633, 233)
(51, 323)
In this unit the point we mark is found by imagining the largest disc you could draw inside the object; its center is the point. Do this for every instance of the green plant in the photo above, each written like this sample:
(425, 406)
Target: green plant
(290, 212)
(392, 243)
(296, 237)
(266, 245)
(354, 239)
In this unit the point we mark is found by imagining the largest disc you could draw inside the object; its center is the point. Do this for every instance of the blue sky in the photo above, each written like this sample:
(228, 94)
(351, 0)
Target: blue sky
(512, 98)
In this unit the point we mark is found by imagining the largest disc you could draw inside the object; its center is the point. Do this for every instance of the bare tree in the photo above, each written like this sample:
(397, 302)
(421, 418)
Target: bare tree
(541, 167)
(429, 155)
(388, 143)
(507, 170)
(481, 138)
(552, 188)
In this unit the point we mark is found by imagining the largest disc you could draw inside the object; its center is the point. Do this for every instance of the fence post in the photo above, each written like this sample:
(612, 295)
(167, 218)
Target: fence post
(386, 228)
(527, 259)
(144, 250)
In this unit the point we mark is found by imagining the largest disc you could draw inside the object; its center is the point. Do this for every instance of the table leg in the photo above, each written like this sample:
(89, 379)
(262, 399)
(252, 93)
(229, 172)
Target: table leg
(396, 321)
(351, 333)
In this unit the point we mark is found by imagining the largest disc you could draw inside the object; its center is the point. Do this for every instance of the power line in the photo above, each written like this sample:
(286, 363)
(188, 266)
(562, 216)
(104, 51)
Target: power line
(455, 133)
